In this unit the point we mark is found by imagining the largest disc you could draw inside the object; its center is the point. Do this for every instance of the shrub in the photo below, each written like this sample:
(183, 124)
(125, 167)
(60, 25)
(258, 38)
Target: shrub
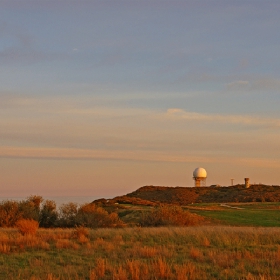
(169, 216)
(26, 226)
(89, 215)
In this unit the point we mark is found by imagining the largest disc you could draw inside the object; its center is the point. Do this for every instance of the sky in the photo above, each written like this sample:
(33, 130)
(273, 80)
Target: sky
(99, 98)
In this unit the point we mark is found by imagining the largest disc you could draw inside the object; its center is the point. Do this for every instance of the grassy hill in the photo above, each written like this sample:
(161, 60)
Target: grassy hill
(154, 195)
(256, 206)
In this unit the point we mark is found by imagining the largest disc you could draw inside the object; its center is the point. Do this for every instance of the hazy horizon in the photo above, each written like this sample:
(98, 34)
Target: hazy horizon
(100, 98)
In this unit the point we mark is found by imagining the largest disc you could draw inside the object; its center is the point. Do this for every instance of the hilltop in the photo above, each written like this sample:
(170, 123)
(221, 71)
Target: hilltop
(155, 195)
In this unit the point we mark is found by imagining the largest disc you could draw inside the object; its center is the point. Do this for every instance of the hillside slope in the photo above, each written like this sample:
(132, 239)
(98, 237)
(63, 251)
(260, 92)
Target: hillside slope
(153, 195)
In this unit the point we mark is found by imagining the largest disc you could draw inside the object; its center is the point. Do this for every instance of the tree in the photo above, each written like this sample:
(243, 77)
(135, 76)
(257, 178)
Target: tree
(9, 213)
(68, 213)
(48, 214)
(30, 208)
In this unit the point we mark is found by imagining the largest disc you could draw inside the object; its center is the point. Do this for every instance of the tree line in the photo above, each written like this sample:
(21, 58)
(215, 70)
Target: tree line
(46, 213)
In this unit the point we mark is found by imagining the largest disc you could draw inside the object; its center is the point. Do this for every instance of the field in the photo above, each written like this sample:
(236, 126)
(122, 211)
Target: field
(240, 214)
(204, 252)
(260, 214)
(235, 241)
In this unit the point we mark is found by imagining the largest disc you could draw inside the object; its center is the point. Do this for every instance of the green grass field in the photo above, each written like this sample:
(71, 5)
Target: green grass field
(268, 218)
(244, 214)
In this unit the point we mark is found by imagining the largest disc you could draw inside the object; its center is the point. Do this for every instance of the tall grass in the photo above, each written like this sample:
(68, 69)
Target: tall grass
(193, 253)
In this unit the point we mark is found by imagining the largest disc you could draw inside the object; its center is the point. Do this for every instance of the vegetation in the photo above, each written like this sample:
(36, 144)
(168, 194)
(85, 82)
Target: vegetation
(169, 216)
(107, 213)
(92, 215)
(109, 239)
(243, 216)
(44, 213)
(27, 226)
(197, 253)
(153, 195)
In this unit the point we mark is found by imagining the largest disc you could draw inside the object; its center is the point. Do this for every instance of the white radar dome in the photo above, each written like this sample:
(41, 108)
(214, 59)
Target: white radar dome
(199, 173)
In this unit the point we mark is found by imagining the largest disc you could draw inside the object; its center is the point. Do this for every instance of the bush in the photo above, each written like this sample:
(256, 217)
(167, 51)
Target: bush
(26, 226)
(169, 216)
(89, 215)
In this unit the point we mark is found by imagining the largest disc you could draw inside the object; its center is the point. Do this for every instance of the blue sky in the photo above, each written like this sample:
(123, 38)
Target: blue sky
(101, 97)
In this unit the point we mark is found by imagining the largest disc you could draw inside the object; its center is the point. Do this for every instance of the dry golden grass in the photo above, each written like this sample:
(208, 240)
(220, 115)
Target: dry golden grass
(148, 252)
(120, 274)
(185, 271)
(196, 254)
(81, 232)
(133, 267)
(205, 242)
(100, 267)
(30, 241)
(5, 248)
(193, 253)
(66, 244)
(161, 269)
